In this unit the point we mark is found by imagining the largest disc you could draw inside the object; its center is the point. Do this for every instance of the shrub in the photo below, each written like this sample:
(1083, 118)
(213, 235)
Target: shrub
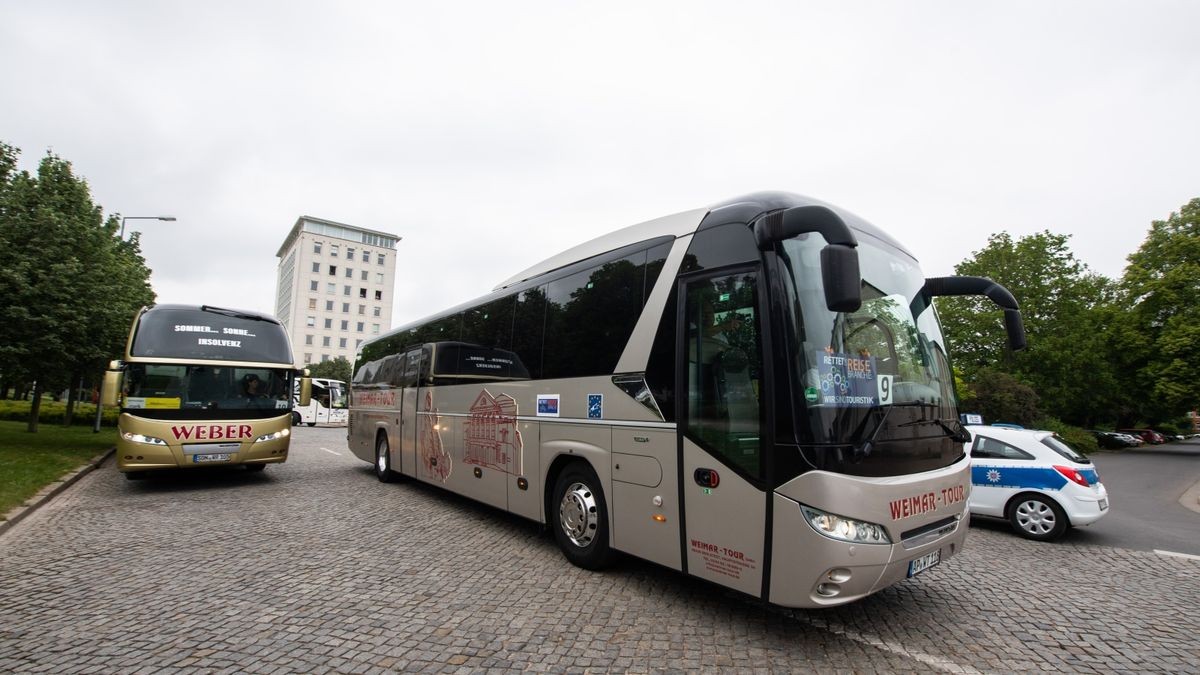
(55, 413)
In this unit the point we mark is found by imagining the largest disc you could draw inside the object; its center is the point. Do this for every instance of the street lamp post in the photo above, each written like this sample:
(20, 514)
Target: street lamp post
(100, 388)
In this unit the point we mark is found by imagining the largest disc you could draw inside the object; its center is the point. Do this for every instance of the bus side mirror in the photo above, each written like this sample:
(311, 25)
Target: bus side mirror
(841, 278)
(305, 390)
(839, 259)
(1013, 325)
(110, 390)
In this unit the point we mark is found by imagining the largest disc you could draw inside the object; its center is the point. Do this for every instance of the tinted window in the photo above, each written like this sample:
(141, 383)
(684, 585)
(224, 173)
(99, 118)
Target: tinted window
(528, 323)
(660, 368)
(719, 246)
(197, 334)
(590, 315)
(1061, 447)
(489, 325)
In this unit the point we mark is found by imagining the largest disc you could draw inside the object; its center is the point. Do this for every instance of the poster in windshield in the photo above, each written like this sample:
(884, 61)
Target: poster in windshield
(209, 335)
(847, 381)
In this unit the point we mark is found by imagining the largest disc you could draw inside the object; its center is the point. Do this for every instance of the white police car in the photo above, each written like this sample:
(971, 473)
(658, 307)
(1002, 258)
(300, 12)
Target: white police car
(1034, 480)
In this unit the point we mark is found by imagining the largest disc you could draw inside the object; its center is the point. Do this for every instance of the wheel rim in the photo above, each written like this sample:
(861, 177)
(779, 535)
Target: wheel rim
(1036, 517)
(578, 515)
(381, 461)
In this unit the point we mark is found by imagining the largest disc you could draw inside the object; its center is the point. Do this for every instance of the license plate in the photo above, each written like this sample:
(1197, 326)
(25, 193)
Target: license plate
(923, 563)
(1103, 504)
(218, 457)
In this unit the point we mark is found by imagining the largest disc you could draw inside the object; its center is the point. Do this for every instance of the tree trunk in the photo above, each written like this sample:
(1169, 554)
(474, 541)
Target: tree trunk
(36, 408)
(3, 390)
(72, 397)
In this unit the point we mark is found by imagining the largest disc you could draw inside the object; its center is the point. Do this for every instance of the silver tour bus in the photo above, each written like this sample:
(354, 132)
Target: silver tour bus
(755, 393)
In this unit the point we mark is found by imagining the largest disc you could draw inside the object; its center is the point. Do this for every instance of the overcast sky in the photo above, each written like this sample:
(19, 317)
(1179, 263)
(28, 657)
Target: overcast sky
(491, 135)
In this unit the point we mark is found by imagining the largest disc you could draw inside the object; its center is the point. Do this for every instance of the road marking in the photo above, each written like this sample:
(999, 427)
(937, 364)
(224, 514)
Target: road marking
(1173, 554)
(936, 662)
(332, 452)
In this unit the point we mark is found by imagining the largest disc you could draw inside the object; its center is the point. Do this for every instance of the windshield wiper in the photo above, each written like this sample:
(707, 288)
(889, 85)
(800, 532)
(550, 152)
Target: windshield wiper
(959, 435)
(231, 312)
(863, 450)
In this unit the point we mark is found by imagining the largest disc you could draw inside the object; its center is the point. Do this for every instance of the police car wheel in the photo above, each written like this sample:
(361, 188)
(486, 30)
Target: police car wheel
(1038, 518)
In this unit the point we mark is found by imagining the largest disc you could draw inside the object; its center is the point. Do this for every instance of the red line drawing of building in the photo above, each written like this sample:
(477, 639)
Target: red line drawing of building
(491, 436)
(435, 462)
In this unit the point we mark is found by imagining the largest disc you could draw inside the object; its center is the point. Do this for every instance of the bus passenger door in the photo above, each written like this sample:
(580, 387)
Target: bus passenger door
(406, 412)
(720, 369)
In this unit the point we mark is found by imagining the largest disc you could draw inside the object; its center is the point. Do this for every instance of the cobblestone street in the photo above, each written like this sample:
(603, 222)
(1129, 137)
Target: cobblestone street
(314, 566)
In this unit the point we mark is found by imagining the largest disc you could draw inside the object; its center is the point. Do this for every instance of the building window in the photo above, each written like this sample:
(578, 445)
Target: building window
(331, 287)
(375, 329)
(345, 308)
(360, 326)
(333, 250)
(349, 273)
(379, 277)
(312, 303)
(379, 260)
(349, 253)
(366, 256)
(357, 344)
(362, 309)
(333, 270)
(364, 275)
(328, 305)
(378, 295)
(324, 358)
(362, 292)
(308, 357)
(329, 323)
(375, 311)
(345, 325)
(314, 285)
(310, 320)
(308, 339)
(316, 267)
(345, 290)
(317, 247)
(342, 342)
(325, 341)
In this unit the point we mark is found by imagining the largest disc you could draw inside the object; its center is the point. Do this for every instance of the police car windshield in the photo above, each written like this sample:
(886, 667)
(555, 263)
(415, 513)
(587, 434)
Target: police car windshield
(1060, 446)
(849, 366)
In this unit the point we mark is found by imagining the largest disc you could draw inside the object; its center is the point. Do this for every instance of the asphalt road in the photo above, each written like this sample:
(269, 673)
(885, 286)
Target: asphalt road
(314, 566)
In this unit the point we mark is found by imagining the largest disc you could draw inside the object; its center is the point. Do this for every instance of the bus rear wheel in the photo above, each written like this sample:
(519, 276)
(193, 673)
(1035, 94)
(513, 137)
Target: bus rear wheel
(579, 518)
(383, 460)
(295, 419)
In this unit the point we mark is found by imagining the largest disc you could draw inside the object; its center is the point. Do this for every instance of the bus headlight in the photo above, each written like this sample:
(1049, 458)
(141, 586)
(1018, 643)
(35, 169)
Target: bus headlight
(139, 438)
(282, 433)
(843, 528)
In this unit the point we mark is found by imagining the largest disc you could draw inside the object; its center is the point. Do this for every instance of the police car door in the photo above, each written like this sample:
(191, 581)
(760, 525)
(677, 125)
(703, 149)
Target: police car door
(996, 474)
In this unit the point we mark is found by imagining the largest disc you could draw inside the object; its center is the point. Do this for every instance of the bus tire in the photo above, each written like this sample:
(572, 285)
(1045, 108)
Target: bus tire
(135, 475)
(579, 518)
(255, 468)
(383, 460)
(295, 419)
(311, 424)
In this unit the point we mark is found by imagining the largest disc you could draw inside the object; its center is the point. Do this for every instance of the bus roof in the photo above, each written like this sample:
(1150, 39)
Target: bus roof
(747, 208)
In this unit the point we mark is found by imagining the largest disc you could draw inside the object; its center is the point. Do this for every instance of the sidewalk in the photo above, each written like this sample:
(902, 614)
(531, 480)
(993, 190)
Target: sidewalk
(47, 493)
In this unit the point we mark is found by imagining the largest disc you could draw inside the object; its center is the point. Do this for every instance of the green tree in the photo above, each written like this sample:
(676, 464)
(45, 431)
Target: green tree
(1067, 312)
(71, 285)
(337, 369)
(1159, 335)
(1000, 397)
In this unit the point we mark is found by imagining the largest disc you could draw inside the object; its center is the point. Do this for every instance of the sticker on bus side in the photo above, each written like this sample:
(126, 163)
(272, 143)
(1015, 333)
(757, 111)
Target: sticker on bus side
(150, 403)
(595, 406)
(547, 405)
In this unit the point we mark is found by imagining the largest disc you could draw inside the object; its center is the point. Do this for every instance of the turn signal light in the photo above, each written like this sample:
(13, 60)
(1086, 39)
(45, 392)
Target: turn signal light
(658, 517)
(1072, 475)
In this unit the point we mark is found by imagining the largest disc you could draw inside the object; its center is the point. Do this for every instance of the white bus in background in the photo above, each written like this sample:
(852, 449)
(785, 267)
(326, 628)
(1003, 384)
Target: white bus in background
(327, 405)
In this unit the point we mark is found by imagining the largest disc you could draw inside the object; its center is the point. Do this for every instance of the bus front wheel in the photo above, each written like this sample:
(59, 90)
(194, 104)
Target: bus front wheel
(295, 419)
(580, 518)
(383, 460)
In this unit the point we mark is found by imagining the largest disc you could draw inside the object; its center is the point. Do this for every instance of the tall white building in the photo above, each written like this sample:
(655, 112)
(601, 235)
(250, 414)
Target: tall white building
(335, 287)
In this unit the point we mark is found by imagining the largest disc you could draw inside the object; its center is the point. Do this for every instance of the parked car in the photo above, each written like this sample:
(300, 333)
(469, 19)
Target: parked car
(1135, 440)
(1034, 480)
(1148, 435)
(1111, 440)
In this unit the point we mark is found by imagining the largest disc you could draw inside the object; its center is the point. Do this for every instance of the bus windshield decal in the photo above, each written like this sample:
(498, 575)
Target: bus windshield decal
(186, 333)
(847, 380)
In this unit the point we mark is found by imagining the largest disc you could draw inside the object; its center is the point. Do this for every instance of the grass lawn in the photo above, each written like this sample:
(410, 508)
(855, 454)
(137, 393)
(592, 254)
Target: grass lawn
(29, 462)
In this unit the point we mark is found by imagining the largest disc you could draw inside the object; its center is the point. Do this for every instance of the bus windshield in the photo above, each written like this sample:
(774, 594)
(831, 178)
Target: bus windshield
(209, 334)
(170, 391)
(873, 386)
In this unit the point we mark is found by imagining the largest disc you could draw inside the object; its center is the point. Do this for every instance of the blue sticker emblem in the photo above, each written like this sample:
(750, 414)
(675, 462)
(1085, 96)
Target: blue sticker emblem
(595, 406)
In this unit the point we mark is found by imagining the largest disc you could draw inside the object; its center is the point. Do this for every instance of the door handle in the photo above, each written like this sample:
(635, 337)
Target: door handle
(707, 478)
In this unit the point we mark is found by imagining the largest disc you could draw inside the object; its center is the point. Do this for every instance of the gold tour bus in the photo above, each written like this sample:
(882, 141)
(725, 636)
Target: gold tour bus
(203, 386)
(755, 393)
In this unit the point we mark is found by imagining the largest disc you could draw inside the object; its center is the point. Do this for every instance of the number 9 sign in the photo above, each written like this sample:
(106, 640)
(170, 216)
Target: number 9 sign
(884, 385)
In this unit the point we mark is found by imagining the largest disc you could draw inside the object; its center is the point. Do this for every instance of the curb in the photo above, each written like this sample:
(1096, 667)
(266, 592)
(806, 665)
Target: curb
(47, 493)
